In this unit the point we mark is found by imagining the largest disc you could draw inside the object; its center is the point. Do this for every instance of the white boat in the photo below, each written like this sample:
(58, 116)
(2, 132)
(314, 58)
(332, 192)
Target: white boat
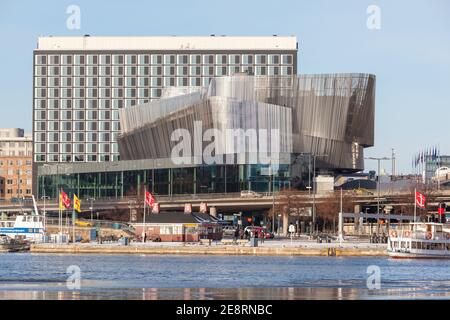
(420, 240)
(29, 227)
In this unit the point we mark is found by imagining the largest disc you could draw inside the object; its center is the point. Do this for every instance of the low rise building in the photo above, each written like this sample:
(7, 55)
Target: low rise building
(15, 163)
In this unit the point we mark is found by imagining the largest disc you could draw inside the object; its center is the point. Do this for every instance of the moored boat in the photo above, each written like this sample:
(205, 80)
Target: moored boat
(420, 240)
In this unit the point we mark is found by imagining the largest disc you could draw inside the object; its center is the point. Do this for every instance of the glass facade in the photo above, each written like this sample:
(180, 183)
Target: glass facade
(167, 182)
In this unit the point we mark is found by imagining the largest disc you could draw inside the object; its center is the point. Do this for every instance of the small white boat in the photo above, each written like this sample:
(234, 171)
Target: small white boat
(420, 240)
(29, 227)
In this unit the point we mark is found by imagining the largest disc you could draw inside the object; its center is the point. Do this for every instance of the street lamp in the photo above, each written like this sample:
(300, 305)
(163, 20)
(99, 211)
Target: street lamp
(378, 182)
(45, 212)
(91, 208)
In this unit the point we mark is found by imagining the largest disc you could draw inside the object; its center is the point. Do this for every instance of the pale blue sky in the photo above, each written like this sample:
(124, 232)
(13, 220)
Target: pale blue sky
(410, 54)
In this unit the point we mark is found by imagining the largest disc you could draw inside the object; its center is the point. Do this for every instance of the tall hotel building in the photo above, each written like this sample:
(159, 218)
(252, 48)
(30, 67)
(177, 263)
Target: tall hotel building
(80, 82)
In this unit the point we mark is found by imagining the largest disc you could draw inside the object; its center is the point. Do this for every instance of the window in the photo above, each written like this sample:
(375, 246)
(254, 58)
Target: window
(117, 59)
(182, 82)
(156, 71)
(66, 59)
(208, 59)
(208, 71)
(144, 59)
(221, 59)
(169, 59)
(182, 71)
(169, 71)
(285, 71)
(221, 71)
(169, 82)
(130, 59)
(79, 59)
(144, 82)
(40, 59)
(91, 59)
(274, 59)
(286, 59)
(182, 59)
(105, 59)
(195, 59)
(260, 59)
(234, 59)
(156, 59)
(247, 59)
(260, 71)
(194, 71)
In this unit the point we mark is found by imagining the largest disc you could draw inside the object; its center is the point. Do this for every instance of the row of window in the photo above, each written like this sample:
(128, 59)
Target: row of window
(76, 148)
(99, 93)
(15, 153)
(14, 181)
(76, 137)
(14, 144)
(76, 126)
(19, 162)
(218, 70)
(87, 103)
(76, 157)
(11, 191)
(146, 59)
(76, 115)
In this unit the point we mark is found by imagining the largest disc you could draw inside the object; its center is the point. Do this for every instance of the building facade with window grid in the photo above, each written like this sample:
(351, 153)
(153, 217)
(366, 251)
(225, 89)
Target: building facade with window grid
(15, 163)
(80, 83)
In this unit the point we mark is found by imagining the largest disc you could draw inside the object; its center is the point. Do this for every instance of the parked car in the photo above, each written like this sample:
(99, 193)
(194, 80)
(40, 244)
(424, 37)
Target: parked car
(259, 230)
(82, 223)
(250, 194)
(229, 230)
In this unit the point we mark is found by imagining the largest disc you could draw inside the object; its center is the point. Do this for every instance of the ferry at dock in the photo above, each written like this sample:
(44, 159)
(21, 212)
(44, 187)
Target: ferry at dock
(420, 240)
(28, 227)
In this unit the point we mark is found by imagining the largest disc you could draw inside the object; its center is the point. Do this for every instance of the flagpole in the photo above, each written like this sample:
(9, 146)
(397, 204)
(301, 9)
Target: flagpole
(145, 204)
(73, 222)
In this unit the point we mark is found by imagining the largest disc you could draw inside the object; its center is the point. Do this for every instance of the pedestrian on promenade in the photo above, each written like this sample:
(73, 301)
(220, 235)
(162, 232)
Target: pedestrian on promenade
(263, 235)
(246, 234)
(236, 234)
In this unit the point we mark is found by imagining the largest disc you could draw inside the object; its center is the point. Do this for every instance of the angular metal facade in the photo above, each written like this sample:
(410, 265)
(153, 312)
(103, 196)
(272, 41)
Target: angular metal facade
(330, 114)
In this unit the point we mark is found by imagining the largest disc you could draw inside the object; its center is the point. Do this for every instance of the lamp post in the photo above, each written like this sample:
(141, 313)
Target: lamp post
(45, 212)
(378, 182)
(91, 208)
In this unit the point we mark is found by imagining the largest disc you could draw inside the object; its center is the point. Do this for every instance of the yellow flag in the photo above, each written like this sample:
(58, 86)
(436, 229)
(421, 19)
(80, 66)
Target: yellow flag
(76, 203)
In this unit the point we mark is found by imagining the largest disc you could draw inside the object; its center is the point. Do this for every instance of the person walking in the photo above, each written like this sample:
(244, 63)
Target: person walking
(263, 235)
(236, 234)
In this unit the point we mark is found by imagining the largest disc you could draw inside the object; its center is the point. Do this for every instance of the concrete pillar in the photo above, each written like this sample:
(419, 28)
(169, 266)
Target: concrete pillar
(357, 211)
(341, 227)
(285, 223)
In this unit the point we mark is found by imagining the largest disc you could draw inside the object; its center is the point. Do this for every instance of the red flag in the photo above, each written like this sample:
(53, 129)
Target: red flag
(420, 200)
(149, 200)
(64, 200)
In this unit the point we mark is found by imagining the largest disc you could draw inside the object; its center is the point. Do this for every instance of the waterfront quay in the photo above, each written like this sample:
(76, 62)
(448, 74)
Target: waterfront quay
(268, 248)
